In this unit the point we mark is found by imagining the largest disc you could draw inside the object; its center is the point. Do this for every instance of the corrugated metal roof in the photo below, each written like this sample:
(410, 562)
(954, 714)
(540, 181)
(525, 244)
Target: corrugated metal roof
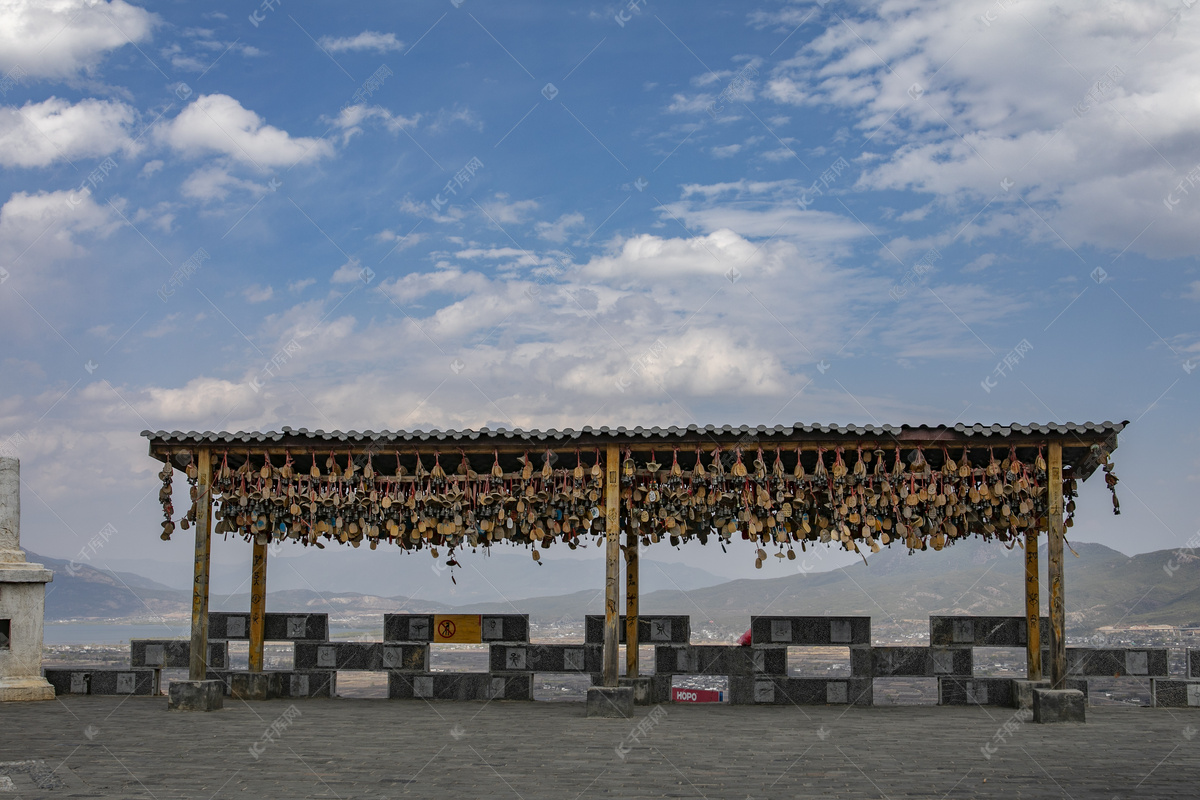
(501, 435)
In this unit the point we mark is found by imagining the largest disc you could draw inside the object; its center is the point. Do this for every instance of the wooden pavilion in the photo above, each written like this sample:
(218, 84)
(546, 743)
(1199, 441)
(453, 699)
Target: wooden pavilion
(855, 487)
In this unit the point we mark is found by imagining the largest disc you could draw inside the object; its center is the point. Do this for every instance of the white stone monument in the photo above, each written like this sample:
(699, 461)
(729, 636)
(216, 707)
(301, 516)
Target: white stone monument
(22, 600)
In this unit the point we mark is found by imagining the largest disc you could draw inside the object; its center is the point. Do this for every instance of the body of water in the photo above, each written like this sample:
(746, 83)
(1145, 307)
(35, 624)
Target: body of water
(84, 633)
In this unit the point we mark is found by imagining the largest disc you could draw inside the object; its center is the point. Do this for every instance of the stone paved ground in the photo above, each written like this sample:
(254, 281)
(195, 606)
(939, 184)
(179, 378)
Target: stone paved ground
(343, 748)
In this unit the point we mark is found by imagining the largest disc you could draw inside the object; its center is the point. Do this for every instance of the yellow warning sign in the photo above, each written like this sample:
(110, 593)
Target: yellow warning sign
(458, 628)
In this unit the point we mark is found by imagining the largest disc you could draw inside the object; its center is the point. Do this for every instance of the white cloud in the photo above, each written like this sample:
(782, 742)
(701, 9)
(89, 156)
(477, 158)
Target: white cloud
(786, 19)
(214, 182)
(446, 117)
(763, 208)
(38, 134)
(726, 151)
(258, 294)
(217, 123)
(981, 263)
(349, 272)
(160, 215)
(351, 118)
(151, 167)
(1094, 123)
(46, 224)
(56, 39)
(1193, 291)
(560, 229)
(682, 104)
(779, 154)
(452, 281)
(523, 258)
(502, 211)
(205, 50)
(301, 285)
(367, 40)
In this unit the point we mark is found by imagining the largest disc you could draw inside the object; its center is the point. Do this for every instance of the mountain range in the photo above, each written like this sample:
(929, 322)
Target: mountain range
(1102, 587)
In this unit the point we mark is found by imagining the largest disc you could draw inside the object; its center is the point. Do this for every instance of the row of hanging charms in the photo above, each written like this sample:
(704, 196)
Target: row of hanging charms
(429, 508)
(871, 503)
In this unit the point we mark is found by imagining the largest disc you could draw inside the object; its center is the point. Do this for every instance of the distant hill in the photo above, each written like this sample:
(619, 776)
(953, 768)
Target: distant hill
(386, 572)
(1103, 587)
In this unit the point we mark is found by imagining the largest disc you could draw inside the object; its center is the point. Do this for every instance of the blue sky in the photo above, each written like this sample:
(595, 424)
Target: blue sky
(455, 214)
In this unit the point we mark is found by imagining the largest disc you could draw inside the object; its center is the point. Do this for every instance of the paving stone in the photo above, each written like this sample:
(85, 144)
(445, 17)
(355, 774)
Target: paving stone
(131, 747)
(195, 696)
(1059, 705)
(643, 689)
(610, 702)
(1023, 692)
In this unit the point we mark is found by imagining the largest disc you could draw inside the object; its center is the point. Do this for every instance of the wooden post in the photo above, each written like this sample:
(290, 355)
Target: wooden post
(1033, 605)
(612, 587)
(1058, 634)
(631, 603)
(198, 658)
(258, 606)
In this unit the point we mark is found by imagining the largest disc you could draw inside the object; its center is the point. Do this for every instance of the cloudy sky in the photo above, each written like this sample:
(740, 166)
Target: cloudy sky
(459, 213)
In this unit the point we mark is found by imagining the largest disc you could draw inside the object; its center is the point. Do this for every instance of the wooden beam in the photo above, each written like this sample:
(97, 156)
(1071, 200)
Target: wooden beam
(631, 603)
(165, 450)
(1033, 604)
(198, 658)
(258, 606)
(612, 587)
(1058, 635)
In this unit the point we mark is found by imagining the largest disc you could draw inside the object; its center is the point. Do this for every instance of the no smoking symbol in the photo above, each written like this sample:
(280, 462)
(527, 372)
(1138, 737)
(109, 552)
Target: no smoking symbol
(446, 629)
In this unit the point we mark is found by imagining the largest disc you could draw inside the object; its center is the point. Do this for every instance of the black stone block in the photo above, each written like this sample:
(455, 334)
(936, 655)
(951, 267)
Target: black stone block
(931, 662)
(408, 627)
(459, 686)
(976, 692)
(505, 628)
(652, 629)
(288, 683)
(419, 628)
(810, 631)
(719, 659)
(1174, 694)
(373, 656)
(968, 631)
(195, 696)
(276, 627)
(174, 653)
(1115, 662)
(546, 658)
(102, 681)
(765, 690)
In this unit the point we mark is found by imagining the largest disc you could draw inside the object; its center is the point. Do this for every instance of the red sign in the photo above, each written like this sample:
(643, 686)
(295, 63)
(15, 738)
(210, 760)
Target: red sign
(697, 696)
